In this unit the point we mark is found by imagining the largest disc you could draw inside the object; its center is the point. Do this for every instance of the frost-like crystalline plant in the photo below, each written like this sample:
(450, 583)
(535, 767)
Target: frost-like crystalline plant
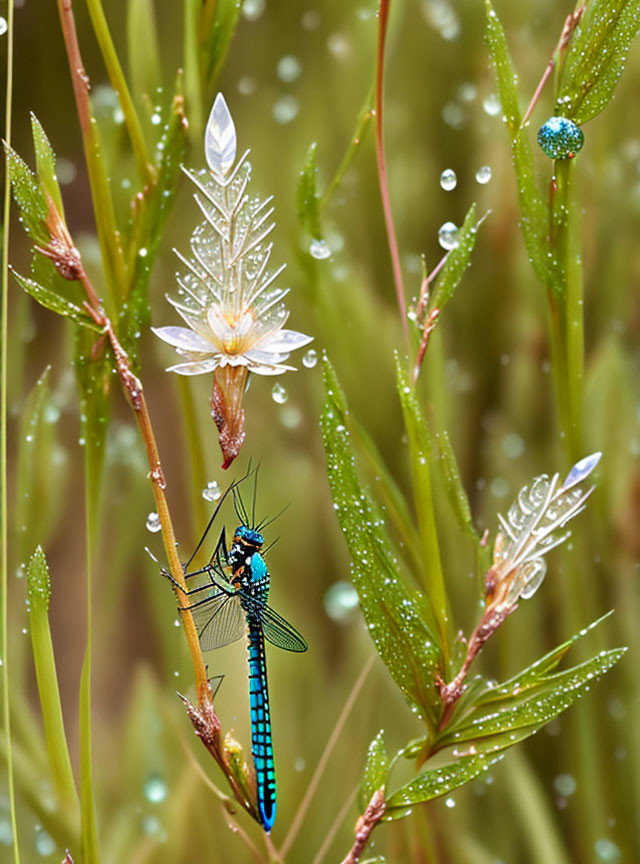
(235, 316)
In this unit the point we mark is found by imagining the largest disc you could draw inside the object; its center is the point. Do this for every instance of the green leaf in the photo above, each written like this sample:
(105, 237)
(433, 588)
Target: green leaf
(46, 164)
(507, 78)
(39, 593)
(28, 196)
(454, 489)
(396, 624)
(420, 449)
(597, 57)
(435, 782)
(143, 48)
(216, 39)
(375, 770)
(50, 300)
(524, 704)
(307, 201)
(535, 218)
(456, 263)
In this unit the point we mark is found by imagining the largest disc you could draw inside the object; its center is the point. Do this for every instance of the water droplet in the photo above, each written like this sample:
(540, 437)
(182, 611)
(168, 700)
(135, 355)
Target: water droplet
(285, 109)
(467, 92)
(152, 827)
(449, 802)
(156, 119)
(299, 763)
(155, 789)
(311, 20)
(565, 785)
(288, 68)
(211, 491)
(492, 105)
(448, 235)
(319, 249)
(142, 252)
(310, 359)
(512, 446)
(253, 9)
(448, 179)
(3, 26)
(607, 851)
(279, 394)
(453, 115)
(153, 523)
(247, 85)
(340, 600)
(483, 174)
(338, 45)
(560, 138)
(44, 843)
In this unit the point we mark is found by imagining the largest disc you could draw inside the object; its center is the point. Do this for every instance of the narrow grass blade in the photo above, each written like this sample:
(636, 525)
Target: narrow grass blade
(457, 262)
(39, 593)
(46, 164)
(375, 770)
(307, 201)
(143, 48)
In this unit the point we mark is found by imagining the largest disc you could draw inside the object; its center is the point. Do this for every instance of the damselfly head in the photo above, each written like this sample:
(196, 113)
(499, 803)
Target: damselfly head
(248, 536)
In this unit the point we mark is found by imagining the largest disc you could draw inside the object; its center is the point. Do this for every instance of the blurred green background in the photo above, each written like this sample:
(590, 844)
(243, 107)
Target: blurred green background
(298, 73)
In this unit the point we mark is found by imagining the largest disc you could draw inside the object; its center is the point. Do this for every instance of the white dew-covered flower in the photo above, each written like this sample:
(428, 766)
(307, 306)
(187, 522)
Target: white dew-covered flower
(235, 316)
(536, 523)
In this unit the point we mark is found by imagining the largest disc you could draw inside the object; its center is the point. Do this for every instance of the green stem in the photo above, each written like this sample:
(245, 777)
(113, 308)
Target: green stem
(192, 84)
(119, 83)
(568, 319)
(4, 511)
(108, 233)
(89, 823)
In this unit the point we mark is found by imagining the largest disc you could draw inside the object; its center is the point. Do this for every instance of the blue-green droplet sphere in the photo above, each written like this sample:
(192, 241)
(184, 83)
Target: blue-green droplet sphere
(560, 138)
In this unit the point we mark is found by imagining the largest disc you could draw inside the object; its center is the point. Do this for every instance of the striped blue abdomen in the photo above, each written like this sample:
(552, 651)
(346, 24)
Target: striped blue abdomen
(261, 746)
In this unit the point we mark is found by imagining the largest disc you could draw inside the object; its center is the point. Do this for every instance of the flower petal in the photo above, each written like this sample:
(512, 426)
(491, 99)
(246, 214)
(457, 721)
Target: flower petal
(198, 368)
(180, 337)
(270, 358)
(285, 340)
(261, 369)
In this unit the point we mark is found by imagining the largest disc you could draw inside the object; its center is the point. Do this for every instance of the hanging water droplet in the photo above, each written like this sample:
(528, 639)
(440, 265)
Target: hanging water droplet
(44, 843)
(483, 174)
(491, 105)
(153, 523)
(279, 394)
(319, 250)
(288, 68)
(340, 600)
(3, 26)
(211, 491)
(448, 235)
(155, 789)
(310, 359)
(448, 179)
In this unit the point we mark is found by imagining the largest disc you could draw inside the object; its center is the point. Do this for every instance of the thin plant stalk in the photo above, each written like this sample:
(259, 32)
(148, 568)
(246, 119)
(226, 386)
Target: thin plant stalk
(131, 119)
(4, 510)
(298, 819)
(329, 837)
(383, 16)
(108, 234)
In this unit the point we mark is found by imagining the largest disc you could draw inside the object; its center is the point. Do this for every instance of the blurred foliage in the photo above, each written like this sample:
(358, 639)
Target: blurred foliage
(294, 75)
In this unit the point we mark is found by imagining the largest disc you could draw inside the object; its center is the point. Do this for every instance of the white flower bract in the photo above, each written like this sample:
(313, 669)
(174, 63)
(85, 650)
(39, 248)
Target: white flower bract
(234, 315)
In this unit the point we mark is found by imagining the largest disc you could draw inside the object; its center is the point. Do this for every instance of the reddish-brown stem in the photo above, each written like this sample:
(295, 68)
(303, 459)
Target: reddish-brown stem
(570, 25)
(423, 297)
(383, 15)
(365, 825)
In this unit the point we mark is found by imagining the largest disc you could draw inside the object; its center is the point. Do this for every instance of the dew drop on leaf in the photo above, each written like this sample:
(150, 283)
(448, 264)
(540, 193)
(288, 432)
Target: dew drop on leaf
(448, 235)
(319, 250)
